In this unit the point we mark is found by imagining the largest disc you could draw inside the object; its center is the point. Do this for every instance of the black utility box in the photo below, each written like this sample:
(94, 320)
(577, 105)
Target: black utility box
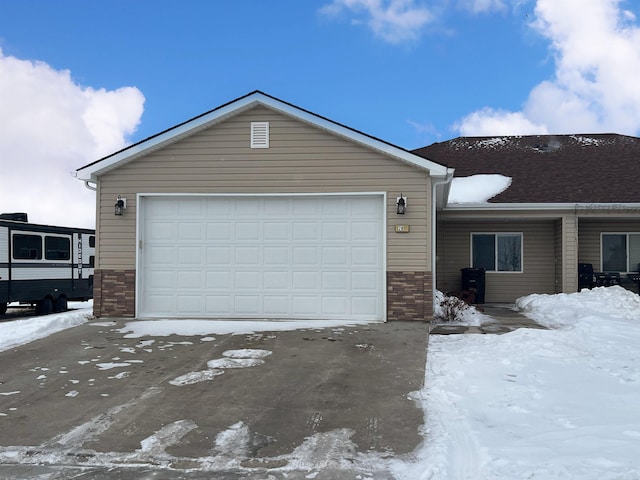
(474, 279)
(586, 278)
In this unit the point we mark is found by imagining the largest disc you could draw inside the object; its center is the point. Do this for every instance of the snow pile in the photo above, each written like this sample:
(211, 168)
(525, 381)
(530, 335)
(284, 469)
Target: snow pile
(477, 188)
(165, 328)
(552, 404)
(570, 309)
(19, 332)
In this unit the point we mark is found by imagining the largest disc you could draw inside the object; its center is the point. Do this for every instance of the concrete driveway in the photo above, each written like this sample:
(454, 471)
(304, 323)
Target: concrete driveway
(325, 403)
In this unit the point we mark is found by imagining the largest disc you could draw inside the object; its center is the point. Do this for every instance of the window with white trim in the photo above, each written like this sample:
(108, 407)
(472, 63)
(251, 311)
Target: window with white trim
(497, 252)
(620, 252)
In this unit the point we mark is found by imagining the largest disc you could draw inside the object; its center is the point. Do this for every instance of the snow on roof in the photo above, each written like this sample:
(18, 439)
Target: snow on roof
(477, 188)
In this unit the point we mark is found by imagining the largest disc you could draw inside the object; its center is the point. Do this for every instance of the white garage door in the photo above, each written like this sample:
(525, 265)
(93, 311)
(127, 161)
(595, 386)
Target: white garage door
(318, 257)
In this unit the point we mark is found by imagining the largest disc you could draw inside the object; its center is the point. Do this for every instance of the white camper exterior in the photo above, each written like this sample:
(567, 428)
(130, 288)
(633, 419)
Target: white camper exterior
(45, 265)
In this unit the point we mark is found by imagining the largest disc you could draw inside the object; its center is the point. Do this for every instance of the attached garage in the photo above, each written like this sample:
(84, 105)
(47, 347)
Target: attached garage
(276, 256)
(261, 210)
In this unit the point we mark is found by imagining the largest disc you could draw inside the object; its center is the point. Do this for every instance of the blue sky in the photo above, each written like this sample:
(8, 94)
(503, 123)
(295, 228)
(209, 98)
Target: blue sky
(411, 72)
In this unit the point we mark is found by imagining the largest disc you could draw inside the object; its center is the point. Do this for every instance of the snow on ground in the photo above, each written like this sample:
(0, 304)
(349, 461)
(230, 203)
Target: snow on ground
(14, 333)
(165, 328)
(552, 404)
(548, 404)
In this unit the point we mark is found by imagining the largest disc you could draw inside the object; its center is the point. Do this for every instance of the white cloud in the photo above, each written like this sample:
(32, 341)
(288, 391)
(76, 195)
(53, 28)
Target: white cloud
(50, 126)
(482, 6)
(395, 21)
(489, 122)
(596, 45)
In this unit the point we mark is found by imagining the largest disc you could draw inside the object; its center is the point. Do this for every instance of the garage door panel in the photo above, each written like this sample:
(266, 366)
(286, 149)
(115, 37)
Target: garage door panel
(276, 231)
(248, 280)
(190, 304)
(163, 279)
(274, 280)
(158, 231)
(247, 255)
(333, 305)
(247, 304)
(305, 305)
(306, 280)
(161, 255)
(306, 207)
(219, 279)
(276, 304)
(367, 281)
(305, 256)
(247, 207)
(366, 256)
(190, 207)
(219, 231)
(189, 279)
(263, 257)
(334, 231)
(335, 280)
(364, 306)
(368, 231)
(190, 255)
(247, 231)
(333, 256)
(276, 255)
(219, 305)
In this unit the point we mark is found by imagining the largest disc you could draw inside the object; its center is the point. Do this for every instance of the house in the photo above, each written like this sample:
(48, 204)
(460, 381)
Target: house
(572, 202)
(261, 209)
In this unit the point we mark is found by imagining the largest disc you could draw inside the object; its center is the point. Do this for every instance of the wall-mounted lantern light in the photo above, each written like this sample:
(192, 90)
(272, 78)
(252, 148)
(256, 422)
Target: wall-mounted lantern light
(401, 204)
(121, 204)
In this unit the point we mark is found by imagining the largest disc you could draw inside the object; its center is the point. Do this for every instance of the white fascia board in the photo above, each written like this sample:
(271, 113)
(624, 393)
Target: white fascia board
(475, 207)
(92, 171)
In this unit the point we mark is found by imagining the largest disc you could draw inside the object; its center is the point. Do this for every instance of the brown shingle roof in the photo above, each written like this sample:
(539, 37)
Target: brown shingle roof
(601, 168)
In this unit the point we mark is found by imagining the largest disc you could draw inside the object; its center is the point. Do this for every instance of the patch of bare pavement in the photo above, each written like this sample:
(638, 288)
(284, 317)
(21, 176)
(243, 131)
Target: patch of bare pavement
(332, 403)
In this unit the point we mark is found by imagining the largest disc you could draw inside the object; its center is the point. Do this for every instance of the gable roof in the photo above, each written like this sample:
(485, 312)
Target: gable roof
(599, 168)
(90, 172)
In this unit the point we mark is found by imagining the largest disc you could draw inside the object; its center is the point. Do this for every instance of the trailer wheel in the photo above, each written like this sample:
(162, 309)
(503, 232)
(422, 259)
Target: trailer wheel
(60, 305)
(44, 307)
(3, 308)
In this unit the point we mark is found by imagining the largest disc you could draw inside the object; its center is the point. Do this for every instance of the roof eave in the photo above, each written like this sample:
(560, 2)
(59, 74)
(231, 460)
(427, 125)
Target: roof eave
(92, 171)
(540, 206)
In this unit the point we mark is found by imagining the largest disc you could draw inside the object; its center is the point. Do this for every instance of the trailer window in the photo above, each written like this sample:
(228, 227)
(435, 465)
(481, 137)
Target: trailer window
(27, 247)
(92, 241)
(57, 248)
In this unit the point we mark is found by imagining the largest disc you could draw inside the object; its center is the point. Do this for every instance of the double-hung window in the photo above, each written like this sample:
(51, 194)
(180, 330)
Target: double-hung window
(497, 252)
(620, 252)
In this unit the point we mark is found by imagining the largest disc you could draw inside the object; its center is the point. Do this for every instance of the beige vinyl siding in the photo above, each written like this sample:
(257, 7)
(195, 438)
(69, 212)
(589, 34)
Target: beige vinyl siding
(567, 254)
(538, 258)
(300, 159)
(589, 239)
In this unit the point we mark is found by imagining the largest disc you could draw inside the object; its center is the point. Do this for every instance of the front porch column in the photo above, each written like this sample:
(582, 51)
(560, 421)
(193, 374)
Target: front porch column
(569, 254)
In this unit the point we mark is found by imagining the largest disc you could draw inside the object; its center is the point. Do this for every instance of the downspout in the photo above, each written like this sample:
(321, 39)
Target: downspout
(86, 184)
(446, 180)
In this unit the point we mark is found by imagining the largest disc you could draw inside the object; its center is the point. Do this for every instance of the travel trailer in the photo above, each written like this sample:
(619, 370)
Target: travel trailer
(44, 265)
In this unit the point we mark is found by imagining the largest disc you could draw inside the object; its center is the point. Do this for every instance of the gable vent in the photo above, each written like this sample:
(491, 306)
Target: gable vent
(259, 134)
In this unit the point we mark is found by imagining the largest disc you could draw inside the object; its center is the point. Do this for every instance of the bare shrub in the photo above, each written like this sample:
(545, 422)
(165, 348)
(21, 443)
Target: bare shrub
(452, 309)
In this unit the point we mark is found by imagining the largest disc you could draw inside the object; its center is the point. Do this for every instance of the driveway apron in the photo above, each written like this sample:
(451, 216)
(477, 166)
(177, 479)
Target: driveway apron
(327, 398)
